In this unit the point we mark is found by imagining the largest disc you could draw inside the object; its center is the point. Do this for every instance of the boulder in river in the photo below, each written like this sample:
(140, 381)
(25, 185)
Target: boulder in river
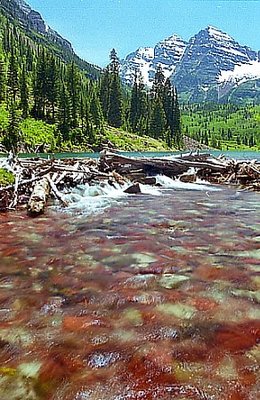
(133, 189)
(188, 178)
(149, 180)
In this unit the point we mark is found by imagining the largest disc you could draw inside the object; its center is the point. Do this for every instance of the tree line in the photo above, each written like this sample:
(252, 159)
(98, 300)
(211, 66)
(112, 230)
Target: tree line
(222, 126)
(35, 83)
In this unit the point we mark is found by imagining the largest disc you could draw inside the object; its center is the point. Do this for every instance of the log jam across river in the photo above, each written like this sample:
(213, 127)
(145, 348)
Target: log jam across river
(152, 296)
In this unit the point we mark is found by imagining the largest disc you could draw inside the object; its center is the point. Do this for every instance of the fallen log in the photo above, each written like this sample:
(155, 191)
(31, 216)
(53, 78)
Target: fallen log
(38, 199)
(36, 179)
(169, 166)
(15, 196)
(56, 192)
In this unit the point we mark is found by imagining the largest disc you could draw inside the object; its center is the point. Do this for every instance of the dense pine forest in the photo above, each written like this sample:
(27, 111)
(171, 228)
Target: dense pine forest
(47, 104)
(223, 126)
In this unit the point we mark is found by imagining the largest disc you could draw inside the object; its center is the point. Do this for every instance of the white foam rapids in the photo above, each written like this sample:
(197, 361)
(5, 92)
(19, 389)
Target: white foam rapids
(93, 199)
(169, 183)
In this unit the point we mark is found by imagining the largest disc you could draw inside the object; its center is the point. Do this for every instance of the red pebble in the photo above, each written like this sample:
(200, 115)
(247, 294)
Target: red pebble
(204, 304)
(238, 337)
(74, 323)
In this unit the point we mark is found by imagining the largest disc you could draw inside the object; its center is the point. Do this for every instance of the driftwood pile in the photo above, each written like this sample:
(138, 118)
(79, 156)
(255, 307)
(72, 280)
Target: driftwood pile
(38, 179)
(216, 170)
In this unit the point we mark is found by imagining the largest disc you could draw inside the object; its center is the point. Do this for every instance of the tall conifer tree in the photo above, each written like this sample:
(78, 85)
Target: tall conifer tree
(134, 105)
(12, 76)
(64, 112)
(73, 85)
(115, 102)
(40, 86)
(178, 139)
(157, 123)
(138, 112)
(158, 83)
(104, 91)
(96, 110)
(2, 79)
(52, 86)
(24, 103)
(12, 137)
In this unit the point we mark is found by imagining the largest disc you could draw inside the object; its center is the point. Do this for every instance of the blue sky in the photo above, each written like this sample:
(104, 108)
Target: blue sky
(94, 27)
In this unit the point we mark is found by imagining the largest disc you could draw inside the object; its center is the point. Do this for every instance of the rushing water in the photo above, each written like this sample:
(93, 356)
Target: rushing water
(142, 297)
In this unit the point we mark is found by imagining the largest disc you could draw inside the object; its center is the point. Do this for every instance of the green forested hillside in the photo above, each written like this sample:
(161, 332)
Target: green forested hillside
(49, 102)
(225, 126)
(35, 29)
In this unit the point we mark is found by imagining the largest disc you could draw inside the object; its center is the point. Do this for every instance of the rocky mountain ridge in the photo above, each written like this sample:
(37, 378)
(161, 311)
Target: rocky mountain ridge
(167, 53)
(32, 22)
(32, 19)
(210, 66)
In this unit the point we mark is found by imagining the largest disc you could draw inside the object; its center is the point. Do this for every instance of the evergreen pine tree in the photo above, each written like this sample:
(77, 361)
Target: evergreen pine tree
(115, 103)
(104, 91)
(157, 123)
(134, 105)
(7, 37)
(138, 112)
(89, 130)
(169, 109)
(96, 111)
(82, 112)
(12, 137)
(178, 139)
(40, 86)
(12, 76)
(24, 103)
(144, 109)
(158, 83)
(73, 85)
(2, 79)
(52, 86)
(64, 112)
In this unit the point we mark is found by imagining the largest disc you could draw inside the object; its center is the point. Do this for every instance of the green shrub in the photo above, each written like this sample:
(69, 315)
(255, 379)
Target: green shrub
(36, 132)
(6, 177)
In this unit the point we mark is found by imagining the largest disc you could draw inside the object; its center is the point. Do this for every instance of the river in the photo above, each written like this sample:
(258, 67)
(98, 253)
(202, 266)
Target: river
(139, 297)
(241, 154)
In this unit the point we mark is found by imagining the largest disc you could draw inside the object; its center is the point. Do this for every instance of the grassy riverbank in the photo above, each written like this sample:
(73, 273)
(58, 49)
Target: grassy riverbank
(36, 135)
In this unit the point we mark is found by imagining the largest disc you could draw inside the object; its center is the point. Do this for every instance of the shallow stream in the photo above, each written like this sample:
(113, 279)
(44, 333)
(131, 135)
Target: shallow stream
(149, 296)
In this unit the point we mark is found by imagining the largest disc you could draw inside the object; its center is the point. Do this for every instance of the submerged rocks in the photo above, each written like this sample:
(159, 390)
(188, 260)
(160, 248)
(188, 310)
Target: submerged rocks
(170, 281)
(155, 300)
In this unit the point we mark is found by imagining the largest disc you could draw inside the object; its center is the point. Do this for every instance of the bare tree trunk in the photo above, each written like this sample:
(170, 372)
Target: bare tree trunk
(39, 197)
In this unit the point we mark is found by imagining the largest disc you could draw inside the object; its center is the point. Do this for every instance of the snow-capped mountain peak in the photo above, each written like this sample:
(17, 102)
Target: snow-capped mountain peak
(217, 34)
(167, 53)
(199, 67)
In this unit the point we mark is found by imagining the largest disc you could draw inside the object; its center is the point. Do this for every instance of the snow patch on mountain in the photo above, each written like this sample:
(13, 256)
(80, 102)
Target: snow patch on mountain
(145, 60)
(241, 73)
(218, 34)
